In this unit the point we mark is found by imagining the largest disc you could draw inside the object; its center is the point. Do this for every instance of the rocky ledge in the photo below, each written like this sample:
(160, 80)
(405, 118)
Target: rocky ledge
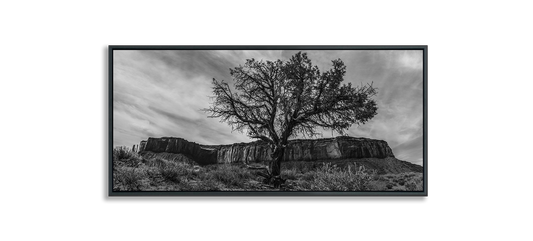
(297, 150)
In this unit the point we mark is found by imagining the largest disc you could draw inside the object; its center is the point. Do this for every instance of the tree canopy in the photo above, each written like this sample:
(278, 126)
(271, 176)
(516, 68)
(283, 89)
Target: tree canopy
(277, 100)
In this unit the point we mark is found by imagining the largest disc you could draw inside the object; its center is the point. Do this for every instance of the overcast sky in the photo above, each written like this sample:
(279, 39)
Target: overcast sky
(161, 93)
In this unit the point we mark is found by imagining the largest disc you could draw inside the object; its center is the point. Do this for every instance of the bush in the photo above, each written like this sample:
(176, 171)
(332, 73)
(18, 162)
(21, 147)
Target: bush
(123, 156)
(332, 178)
(230, 175)
(128, 179)
(228, 179)
(410, 186)
(291, 174)
(171, 173)
(415, 184)
(122, 152)
(401, 182)
(156, 162)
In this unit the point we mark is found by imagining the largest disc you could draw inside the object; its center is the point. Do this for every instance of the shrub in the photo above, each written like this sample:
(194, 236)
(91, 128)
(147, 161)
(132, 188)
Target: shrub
(156, 162)
(174, 171)
(291, 174)
(128, 178)
(401, 182)
(229, 175)
(171, 173)
(332, 178)
(411, 186)
(415, 184)
(229, 179)
(309, 176)
(123, 156)
(122, 152)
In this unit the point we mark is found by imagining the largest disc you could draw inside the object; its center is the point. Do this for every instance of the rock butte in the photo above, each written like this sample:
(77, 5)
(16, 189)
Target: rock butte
(297, 150)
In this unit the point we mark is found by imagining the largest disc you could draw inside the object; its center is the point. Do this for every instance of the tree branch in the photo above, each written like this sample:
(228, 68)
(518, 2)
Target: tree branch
(276, 100)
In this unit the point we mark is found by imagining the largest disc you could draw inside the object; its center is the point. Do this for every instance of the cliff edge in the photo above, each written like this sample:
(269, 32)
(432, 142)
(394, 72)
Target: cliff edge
(337, 148)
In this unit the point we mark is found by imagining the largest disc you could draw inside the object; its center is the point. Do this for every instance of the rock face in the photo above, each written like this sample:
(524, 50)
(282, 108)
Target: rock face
(297, 150)
(337, 148)
(192, 150)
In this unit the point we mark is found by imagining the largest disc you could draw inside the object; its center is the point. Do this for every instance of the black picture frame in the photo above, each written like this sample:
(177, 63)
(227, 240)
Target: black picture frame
(425, 47)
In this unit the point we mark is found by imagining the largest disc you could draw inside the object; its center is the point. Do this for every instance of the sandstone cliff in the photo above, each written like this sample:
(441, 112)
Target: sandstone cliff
(297, 150)
(196, 152)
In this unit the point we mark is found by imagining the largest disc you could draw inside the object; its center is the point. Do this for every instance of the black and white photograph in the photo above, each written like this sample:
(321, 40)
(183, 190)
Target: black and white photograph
(267, 120)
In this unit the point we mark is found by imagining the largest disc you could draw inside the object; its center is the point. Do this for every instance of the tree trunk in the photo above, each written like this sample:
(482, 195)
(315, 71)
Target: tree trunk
(275, 166)
(277, 157)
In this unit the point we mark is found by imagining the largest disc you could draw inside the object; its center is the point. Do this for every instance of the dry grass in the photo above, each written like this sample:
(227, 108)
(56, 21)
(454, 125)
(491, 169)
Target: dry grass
(132, 172)
(410, 181)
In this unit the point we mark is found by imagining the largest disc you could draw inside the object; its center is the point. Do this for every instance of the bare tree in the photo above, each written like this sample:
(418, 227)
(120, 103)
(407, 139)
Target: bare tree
(276, 100)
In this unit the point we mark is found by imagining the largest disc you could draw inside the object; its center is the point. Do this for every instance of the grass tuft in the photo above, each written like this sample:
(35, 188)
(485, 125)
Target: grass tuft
(128, 178)
(330, 177)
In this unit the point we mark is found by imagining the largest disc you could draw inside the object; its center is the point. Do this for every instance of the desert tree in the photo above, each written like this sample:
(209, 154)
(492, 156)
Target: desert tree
(274, 101)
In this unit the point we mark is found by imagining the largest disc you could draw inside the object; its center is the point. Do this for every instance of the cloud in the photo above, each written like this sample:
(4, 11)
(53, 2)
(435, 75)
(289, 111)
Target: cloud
(411, 59)
(411, 150)
(162, 93)
(397, 75)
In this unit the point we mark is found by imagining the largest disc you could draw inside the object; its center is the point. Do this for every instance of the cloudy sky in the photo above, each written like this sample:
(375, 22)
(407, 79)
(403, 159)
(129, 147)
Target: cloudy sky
(161, 93)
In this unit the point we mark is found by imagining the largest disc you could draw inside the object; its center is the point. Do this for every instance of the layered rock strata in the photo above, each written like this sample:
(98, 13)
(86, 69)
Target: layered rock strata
(297, 150)
(192, 150)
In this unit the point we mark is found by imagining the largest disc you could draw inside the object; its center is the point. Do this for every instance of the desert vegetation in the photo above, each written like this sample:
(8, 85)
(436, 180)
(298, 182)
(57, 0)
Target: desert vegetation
(133, 172)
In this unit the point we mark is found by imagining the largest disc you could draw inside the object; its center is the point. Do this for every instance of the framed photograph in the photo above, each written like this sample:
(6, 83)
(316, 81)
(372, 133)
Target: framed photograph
(268, 120)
